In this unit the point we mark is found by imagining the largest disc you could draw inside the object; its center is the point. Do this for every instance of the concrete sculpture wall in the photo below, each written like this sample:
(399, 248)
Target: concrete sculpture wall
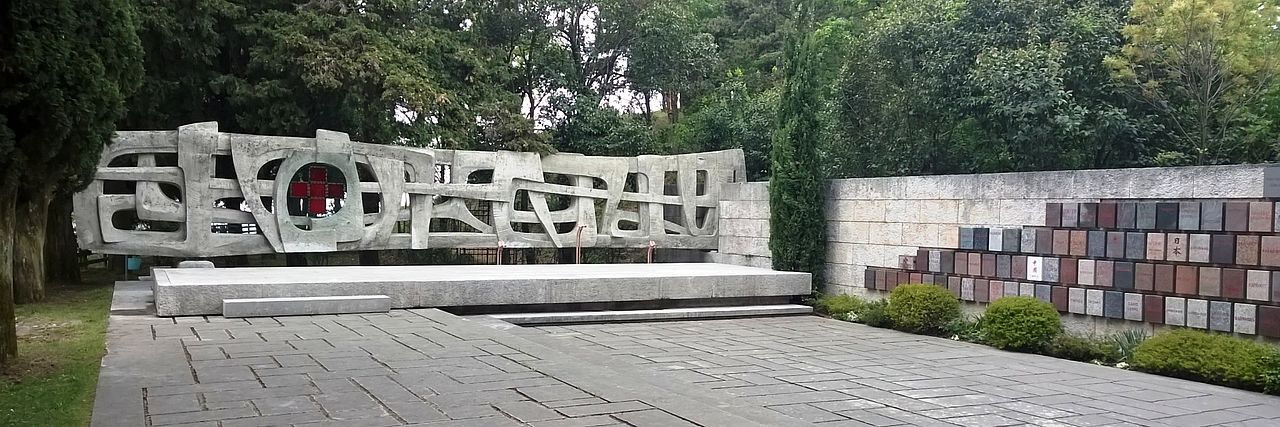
(198, 192)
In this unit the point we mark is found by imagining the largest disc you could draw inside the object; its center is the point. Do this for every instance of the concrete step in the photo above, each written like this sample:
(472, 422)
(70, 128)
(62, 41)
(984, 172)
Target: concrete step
(660, 314)
(132, 297)
(300, 306)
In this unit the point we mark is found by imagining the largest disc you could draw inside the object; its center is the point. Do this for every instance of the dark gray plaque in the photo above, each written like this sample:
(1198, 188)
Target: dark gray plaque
(948, 262)
(1135, 245)
(1044, 293)
(1211, 215)
(1004, 266)
(1088, 215)
(1115, 244)
(1167, 216)
(1123, 275)
(1113, 304)
(1222, 248)
(1126, 215)
(966, 237)
(869, 278)
(1189, 216)
(1146, 215)
(1012, 239)
(980, 237)
(1097, 243)
(1198, 313)
(1220, 318)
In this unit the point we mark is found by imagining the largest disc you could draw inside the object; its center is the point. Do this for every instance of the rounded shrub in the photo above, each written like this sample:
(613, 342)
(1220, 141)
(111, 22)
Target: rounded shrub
(922, 309)
(839, 306)
(1207, 357)
(1020, 324)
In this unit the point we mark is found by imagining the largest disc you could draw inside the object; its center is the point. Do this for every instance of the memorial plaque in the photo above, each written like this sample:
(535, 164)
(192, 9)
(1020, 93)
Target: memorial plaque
(1088, 215)
(882, 279)
(1260, 217)
(1044, 293)
(869, 278)
(1093, 302)
(1075, 300)
(946, 261)
(1210, 281)
(1247, 249)
(1220, 317)
(1011, 289)
(995, 239)
(1245, 318)
(1164, 278)
(935, 261)
(966, 238)
(916, 278)
(923, 259)
(906, 262)
(1167, 216)
(1104, 273)
(996, 290)
(1079, 244)
(1198, 247)
(975, 263)
(1144, 276)
(1135, 245)
(1146, 215)
(1059, 298)
(1258, 285)
(1175, 247)
(1053, 214)
(1275, 286)
(1086, 271)
(1124, 276)
(981, 290)
(1107, 215)
(1175, 311)
(1186, 280)
(961, 264)
(989, 265)
(1028, 236)
(1153, 308)
(1233, 283)
(1189, 216)
(1235, 216)
(1270, 251)
(929, 280)
(1027, 289)
(966, 289)
(1222, 248)
(1275, 209)
(1044, 241)
(1035, 268)
(1012, 239)
(1155, 246)
(1211, 215)
(1050, 267)
(1113, 304)
(1097, 243)
(1004, 267)
(1197, 313)
(1126, 215)
(980, 236)
(1068, 270)
(954, 284)
(1115, 244)
(1133, 307)
(1070, 214)
(1061, 242)
(1019, 268)
(1268, 321)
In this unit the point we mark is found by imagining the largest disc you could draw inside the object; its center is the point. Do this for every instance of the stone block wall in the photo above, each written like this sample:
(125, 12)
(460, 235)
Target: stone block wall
(744, 226)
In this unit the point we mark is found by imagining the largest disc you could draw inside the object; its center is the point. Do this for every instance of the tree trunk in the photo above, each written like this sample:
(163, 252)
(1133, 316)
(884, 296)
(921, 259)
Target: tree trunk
(8, 323)
(61, 253)
(28, 245)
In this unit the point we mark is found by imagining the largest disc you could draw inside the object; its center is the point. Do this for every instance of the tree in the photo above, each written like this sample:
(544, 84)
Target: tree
(796, 195)
(1205, 66)
(66, 67)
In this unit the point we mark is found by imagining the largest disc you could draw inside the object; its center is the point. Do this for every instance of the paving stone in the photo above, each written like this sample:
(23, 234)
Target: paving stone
(1186, 280)
(1153, 309)
(1104, 273)
(1220, 317)
(1155, 246)
(1087, 269)
(1233, 283)
(285, 405)
(1135, 245)
(1053, 214)
(1094, 302)
(1164, 278)
(1198, 313)
(1126, 215)
(1076, 300)
(173, 403)
(1211, 215)
(1235, 216)
(1198, 247)
(1258, 285)
(1247, 250)
(1123, 275)
(1210, 281)
(1175, 311)
(1107, 214)
(1245, 318)
(1061, 242)
(1079, 243)
(527, 411)
(416, 412)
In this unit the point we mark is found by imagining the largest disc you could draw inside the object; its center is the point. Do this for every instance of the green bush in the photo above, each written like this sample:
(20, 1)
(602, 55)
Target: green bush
(874, 313)
(1020, 324)
(839, 306)
(1207, 357)
(1082, 349)
(966, 328)
(922, 309)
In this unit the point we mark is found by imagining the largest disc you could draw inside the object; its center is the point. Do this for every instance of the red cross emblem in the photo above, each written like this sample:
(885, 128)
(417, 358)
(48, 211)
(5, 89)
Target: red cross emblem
(315, 190)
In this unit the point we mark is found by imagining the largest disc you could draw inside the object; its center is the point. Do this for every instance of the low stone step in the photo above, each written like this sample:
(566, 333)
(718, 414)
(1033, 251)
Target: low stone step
(301, 306)
(660, 314)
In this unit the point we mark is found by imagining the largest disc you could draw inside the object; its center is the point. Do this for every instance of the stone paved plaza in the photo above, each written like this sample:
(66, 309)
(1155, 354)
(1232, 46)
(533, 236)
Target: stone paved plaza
(411, 367)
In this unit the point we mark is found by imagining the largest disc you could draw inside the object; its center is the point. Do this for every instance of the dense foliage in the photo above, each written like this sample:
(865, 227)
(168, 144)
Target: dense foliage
(1020, 324)
(923, 308)
(1208, 357)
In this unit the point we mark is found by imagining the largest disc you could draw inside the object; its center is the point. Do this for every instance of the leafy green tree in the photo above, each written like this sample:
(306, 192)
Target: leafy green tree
(66, 67)
(733, 116)
(1205, 66)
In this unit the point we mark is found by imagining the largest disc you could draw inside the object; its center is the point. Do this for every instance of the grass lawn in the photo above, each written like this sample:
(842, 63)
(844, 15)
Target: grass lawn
(60, 344)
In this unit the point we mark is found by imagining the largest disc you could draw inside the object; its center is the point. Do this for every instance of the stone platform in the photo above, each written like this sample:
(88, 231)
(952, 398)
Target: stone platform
(199, 291)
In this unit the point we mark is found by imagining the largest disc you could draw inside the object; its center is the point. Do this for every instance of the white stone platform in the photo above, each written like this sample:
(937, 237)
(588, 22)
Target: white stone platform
(201, 291)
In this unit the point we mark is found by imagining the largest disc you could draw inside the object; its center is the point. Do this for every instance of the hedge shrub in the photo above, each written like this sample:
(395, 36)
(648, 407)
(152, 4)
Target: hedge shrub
(839, 306)
(1020, 324)
(922, 309)
(1083, 349)
(874, 313)
(1208, 357)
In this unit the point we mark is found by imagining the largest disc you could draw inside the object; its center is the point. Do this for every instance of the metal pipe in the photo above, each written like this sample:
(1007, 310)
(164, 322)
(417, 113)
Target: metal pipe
(501, 245)
(653, 246)
(578, 254)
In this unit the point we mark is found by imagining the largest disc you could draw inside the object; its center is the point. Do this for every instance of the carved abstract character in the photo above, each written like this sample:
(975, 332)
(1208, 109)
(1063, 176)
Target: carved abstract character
(197, 192)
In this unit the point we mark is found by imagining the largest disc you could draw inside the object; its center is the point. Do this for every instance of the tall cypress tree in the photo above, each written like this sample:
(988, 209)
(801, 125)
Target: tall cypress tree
(798, 236)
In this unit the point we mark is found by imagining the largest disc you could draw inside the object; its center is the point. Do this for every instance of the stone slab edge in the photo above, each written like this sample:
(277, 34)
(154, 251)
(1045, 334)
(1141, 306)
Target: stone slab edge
(304, 306)
(660, 314)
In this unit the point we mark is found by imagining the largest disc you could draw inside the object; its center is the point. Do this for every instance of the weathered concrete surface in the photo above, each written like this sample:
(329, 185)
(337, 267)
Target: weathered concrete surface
(652, 315)
(235, 194)
(181, 292)
(300, 306)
